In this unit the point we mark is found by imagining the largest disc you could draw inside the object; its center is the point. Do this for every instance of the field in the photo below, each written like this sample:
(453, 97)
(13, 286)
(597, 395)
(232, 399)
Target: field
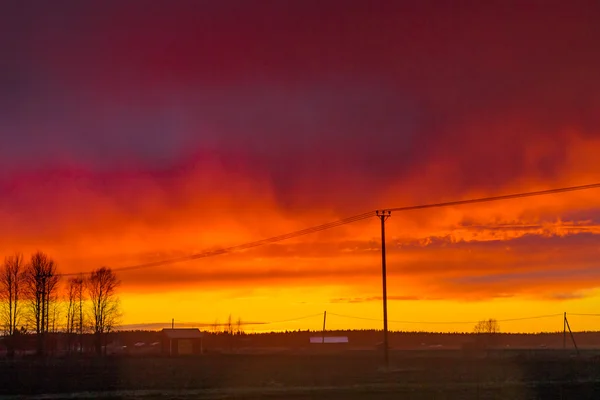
(344, 375)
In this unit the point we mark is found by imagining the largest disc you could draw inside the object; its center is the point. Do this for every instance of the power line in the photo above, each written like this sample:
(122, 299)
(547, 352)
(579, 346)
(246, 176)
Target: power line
(344, 221)
(446, 322)
(291, 320)
(354, 317)
(245, 246)
(585, 315)
(207, 324)
(497, 198)
(528, 318)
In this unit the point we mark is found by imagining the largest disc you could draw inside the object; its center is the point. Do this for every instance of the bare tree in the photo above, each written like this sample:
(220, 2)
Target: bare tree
(102, 290)
(74, 322)
(229, 327)
(229, 331)
(71, 307)
(216, 326)
(487, 332)
(80, 302)
(54, 312)
(488, 326)
(75, 301)
(239, 326)
(40, 288)
(11, 277)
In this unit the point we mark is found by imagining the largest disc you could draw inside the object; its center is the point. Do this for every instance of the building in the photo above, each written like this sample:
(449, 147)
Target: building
(183, 341)
(329, 343)
(329, 339)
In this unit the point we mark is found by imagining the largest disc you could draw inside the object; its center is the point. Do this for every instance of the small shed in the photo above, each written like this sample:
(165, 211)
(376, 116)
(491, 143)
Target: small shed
(181, 341)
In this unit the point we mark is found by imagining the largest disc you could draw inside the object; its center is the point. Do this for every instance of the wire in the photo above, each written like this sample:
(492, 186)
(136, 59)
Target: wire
(245, 246)
(353, 317)
(348, 220)
(528, 318)
(290, 320)
(585, 315)
(206, 324)
(497, 198)
(446, 322)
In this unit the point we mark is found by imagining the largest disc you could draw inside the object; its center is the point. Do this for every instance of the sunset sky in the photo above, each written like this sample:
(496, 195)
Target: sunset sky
(138, 131)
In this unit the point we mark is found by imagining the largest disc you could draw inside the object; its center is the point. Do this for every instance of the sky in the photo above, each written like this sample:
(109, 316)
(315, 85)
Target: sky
(139, 131)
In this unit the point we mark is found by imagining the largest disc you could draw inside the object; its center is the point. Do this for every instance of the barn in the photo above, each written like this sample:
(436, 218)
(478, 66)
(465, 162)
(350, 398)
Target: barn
(181, 341)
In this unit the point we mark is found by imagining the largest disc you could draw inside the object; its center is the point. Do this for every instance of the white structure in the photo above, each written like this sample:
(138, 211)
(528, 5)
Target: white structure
(329, 339)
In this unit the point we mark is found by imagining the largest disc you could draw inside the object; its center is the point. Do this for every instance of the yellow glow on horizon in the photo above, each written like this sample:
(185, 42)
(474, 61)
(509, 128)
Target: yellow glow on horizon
(279, 310)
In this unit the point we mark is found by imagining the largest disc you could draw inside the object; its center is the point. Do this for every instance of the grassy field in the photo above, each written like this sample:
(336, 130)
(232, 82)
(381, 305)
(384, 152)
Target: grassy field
(350, 375)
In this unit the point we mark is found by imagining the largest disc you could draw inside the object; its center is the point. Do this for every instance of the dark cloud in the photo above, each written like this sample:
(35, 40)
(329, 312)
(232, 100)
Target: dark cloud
(341, 95)
(565, 296)
(532, 276)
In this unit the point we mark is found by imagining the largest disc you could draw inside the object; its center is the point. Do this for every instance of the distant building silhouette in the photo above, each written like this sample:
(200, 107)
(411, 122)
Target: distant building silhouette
(181, 341)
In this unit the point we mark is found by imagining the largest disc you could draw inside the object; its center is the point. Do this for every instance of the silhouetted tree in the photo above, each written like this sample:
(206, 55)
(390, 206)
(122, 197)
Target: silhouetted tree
(54, 313)
(229, 331)
(40, 281)
(74, 323)
(488, 326)
(229, 327)
(11, 277)
(80, 302)
(239, 330)
(215, 326)
(102, 290)
(487, 332)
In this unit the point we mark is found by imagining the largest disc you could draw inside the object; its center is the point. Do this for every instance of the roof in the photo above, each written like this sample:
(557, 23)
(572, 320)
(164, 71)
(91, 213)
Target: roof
(182, 333)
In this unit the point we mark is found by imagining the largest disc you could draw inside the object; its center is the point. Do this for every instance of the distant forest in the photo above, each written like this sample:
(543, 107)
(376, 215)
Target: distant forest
(365, 339)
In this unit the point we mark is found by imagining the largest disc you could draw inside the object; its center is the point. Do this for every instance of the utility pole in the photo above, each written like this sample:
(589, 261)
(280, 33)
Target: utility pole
(571, 333)
(383, 215)
(565, 331)
(324, 319)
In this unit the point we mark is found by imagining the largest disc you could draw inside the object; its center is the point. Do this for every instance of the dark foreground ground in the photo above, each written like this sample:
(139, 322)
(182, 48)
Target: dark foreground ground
(350, 375)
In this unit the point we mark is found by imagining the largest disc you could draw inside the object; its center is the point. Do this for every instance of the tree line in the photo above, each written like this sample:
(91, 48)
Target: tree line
(35, 299)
